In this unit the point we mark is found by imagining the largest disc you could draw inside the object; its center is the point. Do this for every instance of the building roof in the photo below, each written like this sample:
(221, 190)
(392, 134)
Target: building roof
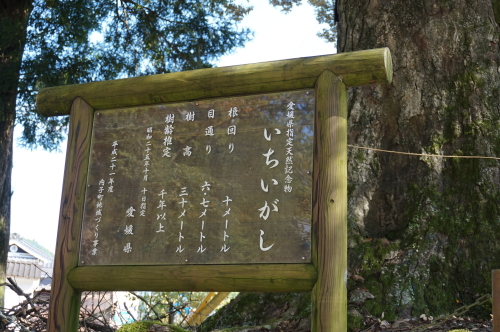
(31, 247)
(26, 268)
(28, 259)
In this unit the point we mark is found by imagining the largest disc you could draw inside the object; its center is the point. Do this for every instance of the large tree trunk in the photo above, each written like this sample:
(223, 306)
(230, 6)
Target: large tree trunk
(424, 231)
(13, 21)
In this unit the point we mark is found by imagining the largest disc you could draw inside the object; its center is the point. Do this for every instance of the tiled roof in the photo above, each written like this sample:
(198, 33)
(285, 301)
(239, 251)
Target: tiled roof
(32, 247)
(24, 268)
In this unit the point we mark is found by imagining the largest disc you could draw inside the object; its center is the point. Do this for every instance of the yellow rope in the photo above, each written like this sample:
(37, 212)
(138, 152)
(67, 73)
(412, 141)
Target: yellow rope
(421, 154)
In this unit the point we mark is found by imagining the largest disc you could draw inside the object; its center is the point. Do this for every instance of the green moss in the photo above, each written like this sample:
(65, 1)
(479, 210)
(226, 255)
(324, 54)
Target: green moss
(304, 306)
(465, 216)
(452, 225)
(496, 10)
(449, 239)
(375, 307)
(369, 257)
(175, 328)
(136, 327)
(249, 309)
(454, 213)
(465, 210)
(354, 322)
(144, 326)
(359, 156)
(236, 328)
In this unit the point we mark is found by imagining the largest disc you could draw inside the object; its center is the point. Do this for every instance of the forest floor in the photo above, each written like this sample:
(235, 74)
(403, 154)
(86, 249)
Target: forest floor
(467, 323)
(404, 325)
(280, 312)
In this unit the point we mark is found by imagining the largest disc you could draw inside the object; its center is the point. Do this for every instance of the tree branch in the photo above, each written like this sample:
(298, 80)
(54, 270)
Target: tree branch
(148, 304)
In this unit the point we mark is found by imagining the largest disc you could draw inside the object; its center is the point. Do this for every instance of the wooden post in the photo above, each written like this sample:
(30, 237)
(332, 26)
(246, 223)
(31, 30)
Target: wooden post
(495, 287)
(329, 236)
(65, 300)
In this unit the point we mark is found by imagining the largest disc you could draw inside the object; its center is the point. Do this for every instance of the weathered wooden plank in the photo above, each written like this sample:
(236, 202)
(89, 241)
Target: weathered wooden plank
(355, 68)
(329, 248)
(221, 278)
(65, 300)
(167, 232)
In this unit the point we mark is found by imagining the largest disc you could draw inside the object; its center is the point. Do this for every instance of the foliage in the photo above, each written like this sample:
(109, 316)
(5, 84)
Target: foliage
(104, 312)
(173, 306)
(326, 12)
(55, 42)
(78, 41)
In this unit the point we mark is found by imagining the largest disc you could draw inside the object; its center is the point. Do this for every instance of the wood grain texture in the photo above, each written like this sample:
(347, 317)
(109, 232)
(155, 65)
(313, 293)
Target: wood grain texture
(65, 300)
(329, 249)
(355, 68)
(223, 278)
(235, 173)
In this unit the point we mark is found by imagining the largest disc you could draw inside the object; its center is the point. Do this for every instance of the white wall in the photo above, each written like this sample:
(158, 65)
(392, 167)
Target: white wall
(28, 285)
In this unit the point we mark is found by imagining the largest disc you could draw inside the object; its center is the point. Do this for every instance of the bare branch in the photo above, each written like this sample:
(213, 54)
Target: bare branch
(20, 292)
(147, 303)
(128, 311)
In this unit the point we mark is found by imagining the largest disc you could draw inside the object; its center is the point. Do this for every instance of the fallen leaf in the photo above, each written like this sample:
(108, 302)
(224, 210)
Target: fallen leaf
(385, 324)
(357, 278)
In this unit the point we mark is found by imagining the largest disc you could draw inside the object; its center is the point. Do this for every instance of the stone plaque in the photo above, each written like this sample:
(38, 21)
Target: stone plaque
(219, 181)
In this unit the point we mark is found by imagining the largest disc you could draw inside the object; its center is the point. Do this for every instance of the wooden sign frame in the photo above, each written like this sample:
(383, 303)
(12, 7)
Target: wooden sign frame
(326, 277)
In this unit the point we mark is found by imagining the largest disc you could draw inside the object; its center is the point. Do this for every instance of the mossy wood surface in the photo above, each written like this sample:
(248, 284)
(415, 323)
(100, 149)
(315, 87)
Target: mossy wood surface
(329, 296)
(355, 68)
(64, 299)
(224, 278)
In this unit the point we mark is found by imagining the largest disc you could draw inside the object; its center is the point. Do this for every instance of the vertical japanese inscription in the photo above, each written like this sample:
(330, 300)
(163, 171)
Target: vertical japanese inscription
(212, 182)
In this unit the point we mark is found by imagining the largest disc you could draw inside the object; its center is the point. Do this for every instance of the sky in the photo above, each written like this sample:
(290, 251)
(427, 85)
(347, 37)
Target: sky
(38, 175)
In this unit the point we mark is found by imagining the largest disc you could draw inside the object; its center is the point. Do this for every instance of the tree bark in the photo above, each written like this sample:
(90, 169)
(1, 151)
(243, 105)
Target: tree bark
(424, 232)
(13, 22)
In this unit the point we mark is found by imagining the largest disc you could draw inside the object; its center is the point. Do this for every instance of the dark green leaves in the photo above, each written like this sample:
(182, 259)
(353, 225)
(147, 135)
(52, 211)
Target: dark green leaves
(130, 38)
